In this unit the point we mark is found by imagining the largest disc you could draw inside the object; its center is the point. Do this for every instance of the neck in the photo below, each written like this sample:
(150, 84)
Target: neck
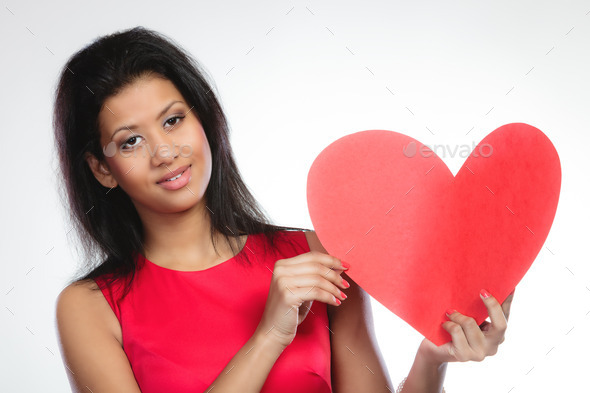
(182, 240)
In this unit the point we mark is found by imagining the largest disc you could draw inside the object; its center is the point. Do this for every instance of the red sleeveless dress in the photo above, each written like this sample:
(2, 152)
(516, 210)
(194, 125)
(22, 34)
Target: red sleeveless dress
(181, 328)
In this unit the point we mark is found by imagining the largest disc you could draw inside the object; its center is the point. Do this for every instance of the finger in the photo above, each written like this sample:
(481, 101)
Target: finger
(327, 260)
(460, 346)
(314, 293)
(496, 314)
(310, 281)
(507, 303)
(313, 268)
(473, 334)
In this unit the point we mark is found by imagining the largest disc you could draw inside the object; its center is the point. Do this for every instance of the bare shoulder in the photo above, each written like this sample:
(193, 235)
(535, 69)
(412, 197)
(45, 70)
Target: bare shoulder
(90, 341)
(84, 299)
(314, 242)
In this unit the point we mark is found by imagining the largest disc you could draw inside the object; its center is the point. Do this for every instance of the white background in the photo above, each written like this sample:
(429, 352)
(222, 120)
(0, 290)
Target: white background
(293, 77)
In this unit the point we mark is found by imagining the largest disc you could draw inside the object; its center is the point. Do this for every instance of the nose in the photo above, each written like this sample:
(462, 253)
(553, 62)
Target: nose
(164, 149)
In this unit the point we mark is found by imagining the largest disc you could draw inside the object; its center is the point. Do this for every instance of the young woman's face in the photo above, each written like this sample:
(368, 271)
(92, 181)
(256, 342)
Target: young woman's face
(148, 132)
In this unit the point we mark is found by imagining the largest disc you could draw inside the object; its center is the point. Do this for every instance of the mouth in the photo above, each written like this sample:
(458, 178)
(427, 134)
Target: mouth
(177, 180)
(173, 175)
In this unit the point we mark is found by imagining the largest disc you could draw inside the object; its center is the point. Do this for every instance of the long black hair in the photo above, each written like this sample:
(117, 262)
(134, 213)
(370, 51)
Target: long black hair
(106, 221)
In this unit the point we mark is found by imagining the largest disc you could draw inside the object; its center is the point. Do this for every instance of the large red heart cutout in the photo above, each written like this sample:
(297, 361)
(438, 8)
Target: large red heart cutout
(420, 240)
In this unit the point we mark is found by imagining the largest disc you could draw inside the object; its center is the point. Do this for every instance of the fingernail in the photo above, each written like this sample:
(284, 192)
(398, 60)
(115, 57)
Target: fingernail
(345, 265)
(338, 302)
(484, 294)
(345, 283)
(450, 311)
(343, 295)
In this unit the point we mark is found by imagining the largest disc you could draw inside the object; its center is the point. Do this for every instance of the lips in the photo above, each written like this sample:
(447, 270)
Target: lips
(176, 172)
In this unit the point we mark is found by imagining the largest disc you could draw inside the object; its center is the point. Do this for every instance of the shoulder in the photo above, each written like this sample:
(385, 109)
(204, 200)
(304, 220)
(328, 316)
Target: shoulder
(314, 242)
(90, 342)
(84, 301)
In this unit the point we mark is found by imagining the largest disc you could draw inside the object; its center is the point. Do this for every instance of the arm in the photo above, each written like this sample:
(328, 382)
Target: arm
(90, 334)
(296, 282)
(248, 369)
(426, 375)
(89, 343)
(90, 338)
(357, 364)
(469, 342)
(352, 324)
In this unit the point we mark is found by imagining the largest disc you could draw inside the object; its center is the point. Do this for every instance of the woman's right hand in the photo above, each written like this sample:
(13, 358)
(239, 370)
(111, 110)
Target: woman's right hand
(296, 283)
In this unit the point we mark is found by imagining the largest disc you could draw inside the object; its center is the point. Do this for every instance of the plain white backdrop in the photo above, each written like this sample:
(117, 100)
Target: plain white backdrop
(294, 76)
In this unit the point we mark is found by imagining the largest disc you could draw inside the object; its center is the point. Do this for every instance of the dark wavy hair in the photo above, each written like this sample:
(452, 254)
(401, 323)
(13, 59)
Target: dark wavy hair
(106, 221)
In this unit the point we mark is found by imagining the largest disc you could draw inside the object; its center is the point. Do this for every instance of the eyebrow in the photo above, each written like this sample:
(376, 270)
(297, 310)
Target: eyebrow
(135, 127)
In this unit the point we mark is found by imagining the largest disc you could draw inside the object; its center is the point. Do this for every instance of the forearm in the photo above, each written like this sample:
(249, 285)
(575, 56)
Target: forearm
(425, 376)
(248, 369)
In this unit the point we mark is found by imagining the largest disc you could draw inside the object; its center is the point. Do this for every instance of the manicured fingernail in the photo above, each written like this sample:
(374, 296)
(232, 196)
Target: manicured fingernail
(338, 302)
(484, 294)
(450, 311)
(343, 295)
(345, 265)
(345, 283)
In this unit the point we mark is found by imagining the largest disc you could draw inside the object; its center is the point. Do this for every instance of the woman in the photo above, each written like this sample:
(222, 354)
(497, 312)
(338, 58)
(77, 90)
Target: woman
(194, 289)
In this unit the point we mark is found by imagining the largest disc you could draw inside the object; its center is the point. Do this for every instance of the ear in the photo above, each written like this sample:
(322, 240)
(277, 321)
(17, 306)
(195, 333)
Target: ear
(101, 171)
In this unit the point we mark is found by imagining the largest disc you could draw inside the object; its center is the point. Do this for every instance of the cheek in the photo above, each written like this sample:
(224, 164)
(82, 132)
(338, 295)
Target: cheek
(125, 171)
(200, 148)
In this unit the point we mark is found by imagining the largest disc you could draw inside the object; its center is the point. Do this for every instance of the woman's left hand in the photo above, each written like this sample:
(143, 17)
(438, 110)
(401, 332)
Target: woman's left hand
(470, 341)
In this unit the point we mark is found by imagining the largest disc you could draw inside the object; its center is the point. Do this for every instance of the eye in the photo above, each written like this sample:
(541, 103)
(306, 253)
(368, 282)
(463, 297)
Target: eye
(173, 121)
(128, 143)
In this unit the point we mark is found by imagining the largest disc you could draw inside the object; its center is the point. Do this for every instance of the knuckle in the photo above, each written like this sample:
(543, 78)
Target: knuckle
(322, 270)
(314, 292)
(278, 270)
(333, 276)
(318, 267)
(461, 357)
(469, 322)
(458, 318)
(281, 281)
(455, 329)
(319, 294)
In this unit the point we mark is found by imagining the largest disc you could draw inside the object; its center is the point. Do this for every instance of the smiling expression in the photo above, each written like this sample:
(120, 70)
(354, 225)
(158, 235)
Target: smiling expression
(149, 131)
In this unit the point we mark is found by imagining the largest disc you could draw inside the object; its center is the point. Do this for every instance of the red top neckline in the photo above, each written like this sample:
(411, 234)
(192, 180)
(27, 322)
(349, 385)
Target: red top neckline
(147, 262)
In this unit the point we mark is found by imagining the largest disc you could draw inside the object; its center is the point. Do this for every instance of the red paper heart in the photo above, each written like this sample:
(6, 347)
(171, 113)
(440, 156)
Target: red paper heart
(421, 241)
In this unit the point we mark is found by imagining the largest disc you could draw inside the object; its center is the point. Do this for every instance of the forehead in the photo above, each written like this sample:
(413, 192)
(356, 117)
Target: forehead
(138, 102)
